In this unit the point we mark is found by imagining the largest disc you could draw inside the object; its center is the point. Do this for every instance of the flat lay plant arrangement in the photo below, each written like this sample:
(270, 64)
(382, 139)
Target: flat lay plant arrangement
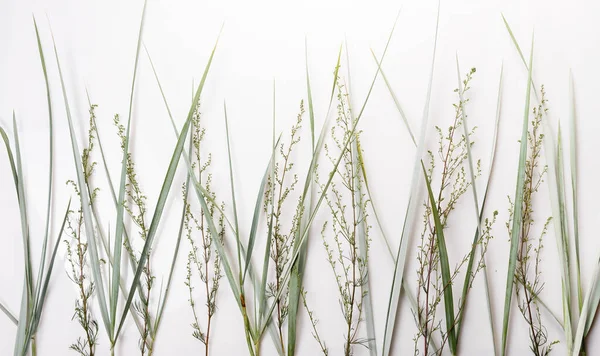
(110, 252)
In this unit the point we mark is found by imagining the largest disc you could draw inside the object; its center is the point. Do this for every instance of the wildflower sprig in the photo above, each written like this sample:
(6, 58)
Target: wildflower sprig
(434, 276)
(528, 271)
(203, 259)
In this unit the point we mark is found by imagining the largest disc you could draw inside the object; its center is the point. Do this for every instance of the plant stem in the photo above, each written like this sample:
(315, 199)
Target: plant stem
(247, 328)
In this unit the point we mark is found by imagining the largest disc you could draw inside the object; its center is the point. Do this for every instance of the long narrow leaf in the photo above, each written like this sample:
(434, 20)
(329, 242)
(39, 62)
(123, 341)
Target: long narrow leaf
(27, 302)
(116, 275)
(400, 260)
(518, 211)
(444, 266)
(85, 205)
(50, 161)
(573, 161)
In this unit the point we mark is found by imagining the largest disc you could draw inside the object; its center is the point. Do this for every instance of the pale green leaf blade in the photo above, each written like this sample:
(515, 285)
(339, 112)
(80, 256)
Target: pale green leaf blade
(400, 260)
(85, 205)
(518, 216)
(118, 247)
(444, 266)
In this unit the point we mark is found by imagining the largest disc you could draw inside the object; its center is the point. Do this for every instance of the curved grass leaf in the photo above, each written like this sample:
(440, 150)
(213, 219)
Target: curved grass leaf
(85, 207)
(118, 248)
(444, 266)
(573, 161)
(400, 260)
(518, 211)
(555, 200)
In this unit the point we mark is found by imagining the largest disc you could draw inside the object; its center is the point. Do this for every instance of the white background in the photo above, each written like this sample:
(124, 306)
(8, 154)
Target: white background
(263, 41)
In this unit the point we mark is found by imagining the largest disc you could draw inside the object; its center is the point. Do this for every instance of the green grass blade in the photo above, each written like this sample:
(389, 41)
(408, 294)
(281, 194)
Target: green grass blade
(85, 205)
(165, 190)
(400, 260)
(11, 159)
(517, 214)
(356, 153)
(9, 314)
(588, 311)
(158, 211)
(395, 98)
(556, 183)
(363, 249)
(444, 266)
(50, 162)
(271, 217)
(573, 161)
(118, 247)
(103, 240)
(22, 340)
(297, 271)
(162, 302)
(44, 287)
(16, 181)
(311, 111)
(557, 203)
(201, 193)
(235, 213)
(411, 298)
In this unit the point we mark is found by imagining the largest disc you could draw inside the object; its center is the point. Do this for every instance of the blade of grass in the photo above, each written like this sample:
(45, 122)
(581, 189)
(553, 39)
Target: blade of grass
(200, 191)
(262, 284)
(444, 266)
(556, 184)
(518, 209)
(400, 260)
(573, 161)
(307, 201)
(356, 153)
(165, 191)
(163, 302)
(560, 233)
(9, 314)
(395, 98)
(235, 214)
(27, 301)
(50, 161)
(11, 159)
(118, 248)
(85, 206)
(44, 287)
(158, 211)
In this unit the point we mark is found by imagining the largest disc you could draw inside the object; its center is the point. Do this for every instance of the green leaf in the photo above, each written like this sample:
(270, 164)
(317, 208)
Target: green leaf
(85, 207)
(444, 265)
(557, 203)
(411, 211)
(9, 314)
(518, 211)
(163, 301)
(118, 248)
(44, 287)
(27, 298)
(50, 161)
(573, 161)
(307, 203)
